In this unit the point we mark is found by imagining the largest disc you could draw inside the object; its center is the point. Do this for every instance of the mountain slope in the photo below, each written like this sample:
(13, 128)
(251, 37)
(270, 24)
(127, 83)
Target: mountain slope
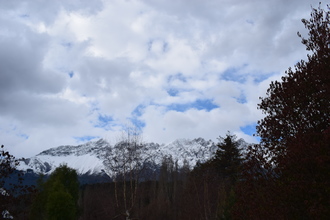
(90, 158)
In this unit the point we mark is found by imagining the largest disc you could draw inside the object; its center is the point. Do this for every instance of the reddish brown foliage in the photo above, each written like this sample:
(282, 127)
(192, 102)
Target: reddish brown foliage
(287, 176)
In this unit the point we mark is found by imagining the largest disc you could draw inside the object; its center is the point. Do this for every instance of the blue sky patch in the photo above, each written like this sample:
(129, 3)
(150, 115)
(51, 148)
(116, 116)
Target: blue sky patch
(249, 129)
(205, 104)
(173, 92)
(18, 132)
(178, 76)
(241, 99)
(137, 112)
(200, 104)
(262, 77)
(24, 136)
(137, 123)
(71, 74)
(232, 75)
(85, 138)
(104, 121)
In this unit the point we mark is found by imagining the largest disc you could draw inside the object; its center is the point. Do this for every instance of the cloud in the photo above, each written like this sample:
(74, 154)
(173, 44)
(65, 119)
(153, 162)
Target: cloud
(21, 67)
(162, 125)
(72, 71)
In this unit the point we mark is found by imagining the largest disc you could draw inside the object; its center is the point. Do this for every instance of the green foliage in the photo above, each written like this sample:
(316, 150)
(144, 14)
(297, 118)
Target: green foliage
(58, 196)
(60, 203)
(68, 178)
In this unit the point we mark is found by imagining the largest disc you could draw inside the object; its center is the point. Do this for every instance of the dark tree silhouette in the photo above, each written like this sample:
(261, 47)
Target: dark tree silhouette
(287, 176)
(12, 190)
(227, 159)
(300, 103)
(8, 163)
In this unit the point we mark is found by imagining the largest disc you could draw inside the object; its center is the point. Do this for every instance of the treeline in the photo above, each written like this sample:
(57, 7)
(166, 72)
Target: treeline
(206, 192)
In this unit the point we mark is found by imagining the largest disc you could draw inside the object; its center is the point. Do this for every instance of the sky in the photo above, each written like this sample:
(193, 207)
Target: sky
(73, 71)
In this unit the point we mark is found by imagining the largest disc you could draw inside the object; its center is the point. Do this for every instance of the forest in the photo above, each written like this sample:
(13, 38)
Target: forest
(285, 176)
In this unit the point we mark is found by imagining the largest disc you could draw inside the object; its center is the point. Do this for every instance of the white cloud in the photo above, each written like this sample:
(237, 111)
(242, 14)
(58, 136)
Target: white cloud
(63, 64)
(164, 125)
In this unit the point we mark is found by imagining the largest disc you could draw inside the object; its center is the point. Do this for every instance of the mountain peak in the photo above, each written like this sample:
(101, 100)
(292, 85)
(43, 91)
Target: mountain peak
(91, 157)
(79, 150)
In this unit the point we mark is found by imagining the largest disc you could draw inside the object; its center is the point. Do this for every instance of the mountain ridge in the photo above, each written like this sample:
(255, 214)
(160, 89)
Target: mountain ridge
(90, 158)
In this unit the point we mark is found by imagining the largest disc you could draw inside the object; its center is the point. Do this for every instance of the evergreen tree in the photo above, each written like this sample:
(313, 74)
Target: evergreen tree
(60, 203)
(58, 196)
(211, 184)
(227, 159)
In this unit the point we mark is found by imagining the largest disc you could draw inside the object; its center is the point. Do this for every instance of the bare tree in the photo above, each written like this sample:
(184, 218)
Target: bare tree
(126, 161)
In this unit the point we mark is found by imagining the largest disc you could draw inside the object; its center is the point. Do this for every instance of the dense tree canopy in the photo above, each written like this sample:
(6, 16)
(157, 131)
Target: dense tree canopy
(300, 103)
(287, 176)
(58, 196)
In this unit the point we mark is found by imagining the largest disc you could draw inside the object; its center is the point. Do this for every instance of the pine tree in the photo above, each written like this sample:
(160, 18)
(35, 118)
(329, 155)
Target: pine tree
(227, 159)
(58, 196)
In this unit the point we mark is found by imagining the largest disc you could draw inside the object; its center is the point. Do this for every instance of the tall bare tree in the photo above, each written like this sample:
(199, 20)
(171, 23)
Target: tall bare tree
(125, 161)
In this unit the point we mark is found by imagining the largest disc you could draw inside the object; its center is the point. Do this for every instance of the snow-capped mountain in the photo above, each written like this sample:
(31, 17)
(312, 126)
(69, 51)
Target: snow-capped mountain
(86, 158)
(91, 158)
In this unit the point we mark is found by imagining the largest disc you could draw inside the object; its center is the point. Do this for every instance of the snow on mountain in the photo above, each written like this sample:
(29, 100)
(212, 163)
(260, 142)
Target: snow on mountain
(86, 158)
(189, 150)
(46, 164)
(90, 158)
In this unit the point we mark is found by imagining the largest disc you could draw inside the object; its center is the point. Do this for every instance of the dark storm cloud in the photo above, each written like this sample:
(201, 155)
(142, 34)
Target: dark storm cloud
(21, 66)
